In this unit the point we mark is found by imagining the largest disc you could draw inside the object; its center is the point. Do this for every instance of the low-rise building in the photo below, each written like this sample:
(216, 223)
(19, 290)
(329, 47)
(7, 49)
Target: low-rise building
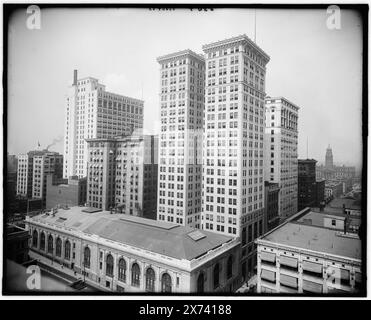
(67, 192)
(308, 254)
(16, 241)
(123, 253)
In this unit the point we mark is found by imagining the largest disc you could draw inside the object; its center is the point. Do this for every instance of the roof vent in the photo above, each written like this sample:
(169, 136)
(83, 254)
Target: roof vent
(196, 235)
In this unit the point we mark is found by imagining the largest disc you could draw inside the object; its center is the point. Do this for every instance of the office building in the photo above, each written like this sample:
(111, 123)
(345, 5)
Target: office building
(65, 192)
(329, 159)
(16, 243)
(310, 253)
(233, 179)
(33, 169)
(122, 174)
(122, 253)
(180, 157)
(92, 112)
(281, 151)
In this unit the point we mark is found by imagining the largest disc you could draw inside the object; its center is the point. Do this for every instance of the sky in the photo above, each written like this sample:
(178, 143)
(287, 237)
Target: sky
(318, 69)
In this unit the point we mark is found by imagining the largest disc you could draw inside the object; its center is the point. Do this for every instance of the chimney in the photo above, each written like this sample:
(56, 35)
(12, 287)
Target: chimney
(74, 77)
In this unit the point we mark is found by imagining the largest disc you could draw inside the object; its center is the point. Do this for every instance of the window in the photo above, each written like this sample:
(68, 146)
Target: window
(216, 276)
(166, 283)
(67, 250)
(150, 280)
(122, 270)
(87, 257)
(58, 247)
(243, 236)
(135, 275)
(229, 267)
(200, 282)
(109, 266)
(50, 244)
(42, 241)
(34, 239)
(333, 222)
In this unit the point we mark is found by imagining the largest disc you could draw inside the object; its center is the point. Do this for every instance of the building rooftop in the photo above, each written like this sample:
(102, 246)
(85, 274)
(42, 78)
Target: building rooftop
(242, 37)
(349, 203)
(179, 54)
(305, 231)
(164, 238)
(283, 99)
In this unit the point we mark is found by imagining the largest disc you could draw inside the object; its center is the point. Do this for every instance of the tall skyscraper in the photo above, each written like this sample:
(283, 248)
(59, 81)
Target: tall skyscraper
(281, 151)
(180, 157)
(329, 161)
(233, 185)
(122, 174)
(92, 112)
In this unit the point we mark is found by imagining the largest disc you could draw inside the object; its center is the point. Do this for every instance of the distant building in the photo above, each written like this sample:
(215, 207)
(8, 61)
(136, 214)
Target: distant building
(271, 204)
(67, 192)
(122, 174)
(281, 151)
(310, 253)
(92, 112)
(329, 161)
(122, 253)
(349, 206)
(333, 189)
(33, 168)
(16, 242)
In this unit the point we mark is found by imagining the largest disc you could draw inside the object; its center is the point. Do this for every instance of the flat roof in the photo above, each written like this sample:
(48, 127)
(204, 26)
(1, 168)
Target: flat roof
(349, 203)
(181, 53)
(160, 237)
(297, 233)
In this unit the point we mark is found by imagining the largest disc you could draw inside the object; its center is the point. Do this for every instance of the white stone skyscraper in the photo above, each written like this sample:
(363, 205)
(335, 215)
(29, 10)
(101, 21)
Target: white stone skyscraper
(92, 112)
(180, 140)
(233, 178)
(281, 153)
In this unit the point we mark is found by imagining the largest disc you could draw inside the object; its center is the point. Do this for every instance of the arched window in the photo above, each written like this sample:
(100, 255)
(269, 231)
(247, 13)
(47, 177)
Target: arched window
(50, 244)
(122, 270)
(229, 267)
(216, 276)
(200, 283)
(42, 241)
(34, 238)
(150, 280)
(135, 275)
(87, 257)
(166, 283)
(67, 250)
(58, 247)
(109, 266)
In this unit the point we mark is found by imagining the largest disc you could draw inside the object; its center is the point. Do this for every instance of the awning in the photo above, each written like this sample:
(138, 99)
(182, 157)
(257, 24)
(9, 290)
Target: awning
(344, 274)
(266, 256)
(288, 261)
(312, 267)
(312, 286)
(288, 281)
(268, 275)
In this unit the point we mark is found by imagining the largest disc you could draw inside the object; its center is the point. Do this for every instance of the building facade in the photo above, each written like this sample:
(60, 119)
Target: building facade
(122, 174)
(65, 192)
(307, 185)
(281, 151)
(33, 169)
(301, 258)
(329, 159)
(124, 261)
(271, 199)
(92, 112)
(180, 151)
(233, 185)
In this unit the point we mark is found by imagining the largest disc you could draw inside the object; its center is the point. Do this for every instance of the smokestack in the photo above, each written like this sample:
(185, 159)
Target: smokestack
(74, 77)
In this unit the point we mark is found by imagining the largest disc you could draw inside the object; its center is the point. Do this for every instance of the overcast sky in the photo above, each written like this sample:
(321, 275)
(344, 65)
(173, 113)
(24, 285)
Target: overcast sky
(314, 67)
